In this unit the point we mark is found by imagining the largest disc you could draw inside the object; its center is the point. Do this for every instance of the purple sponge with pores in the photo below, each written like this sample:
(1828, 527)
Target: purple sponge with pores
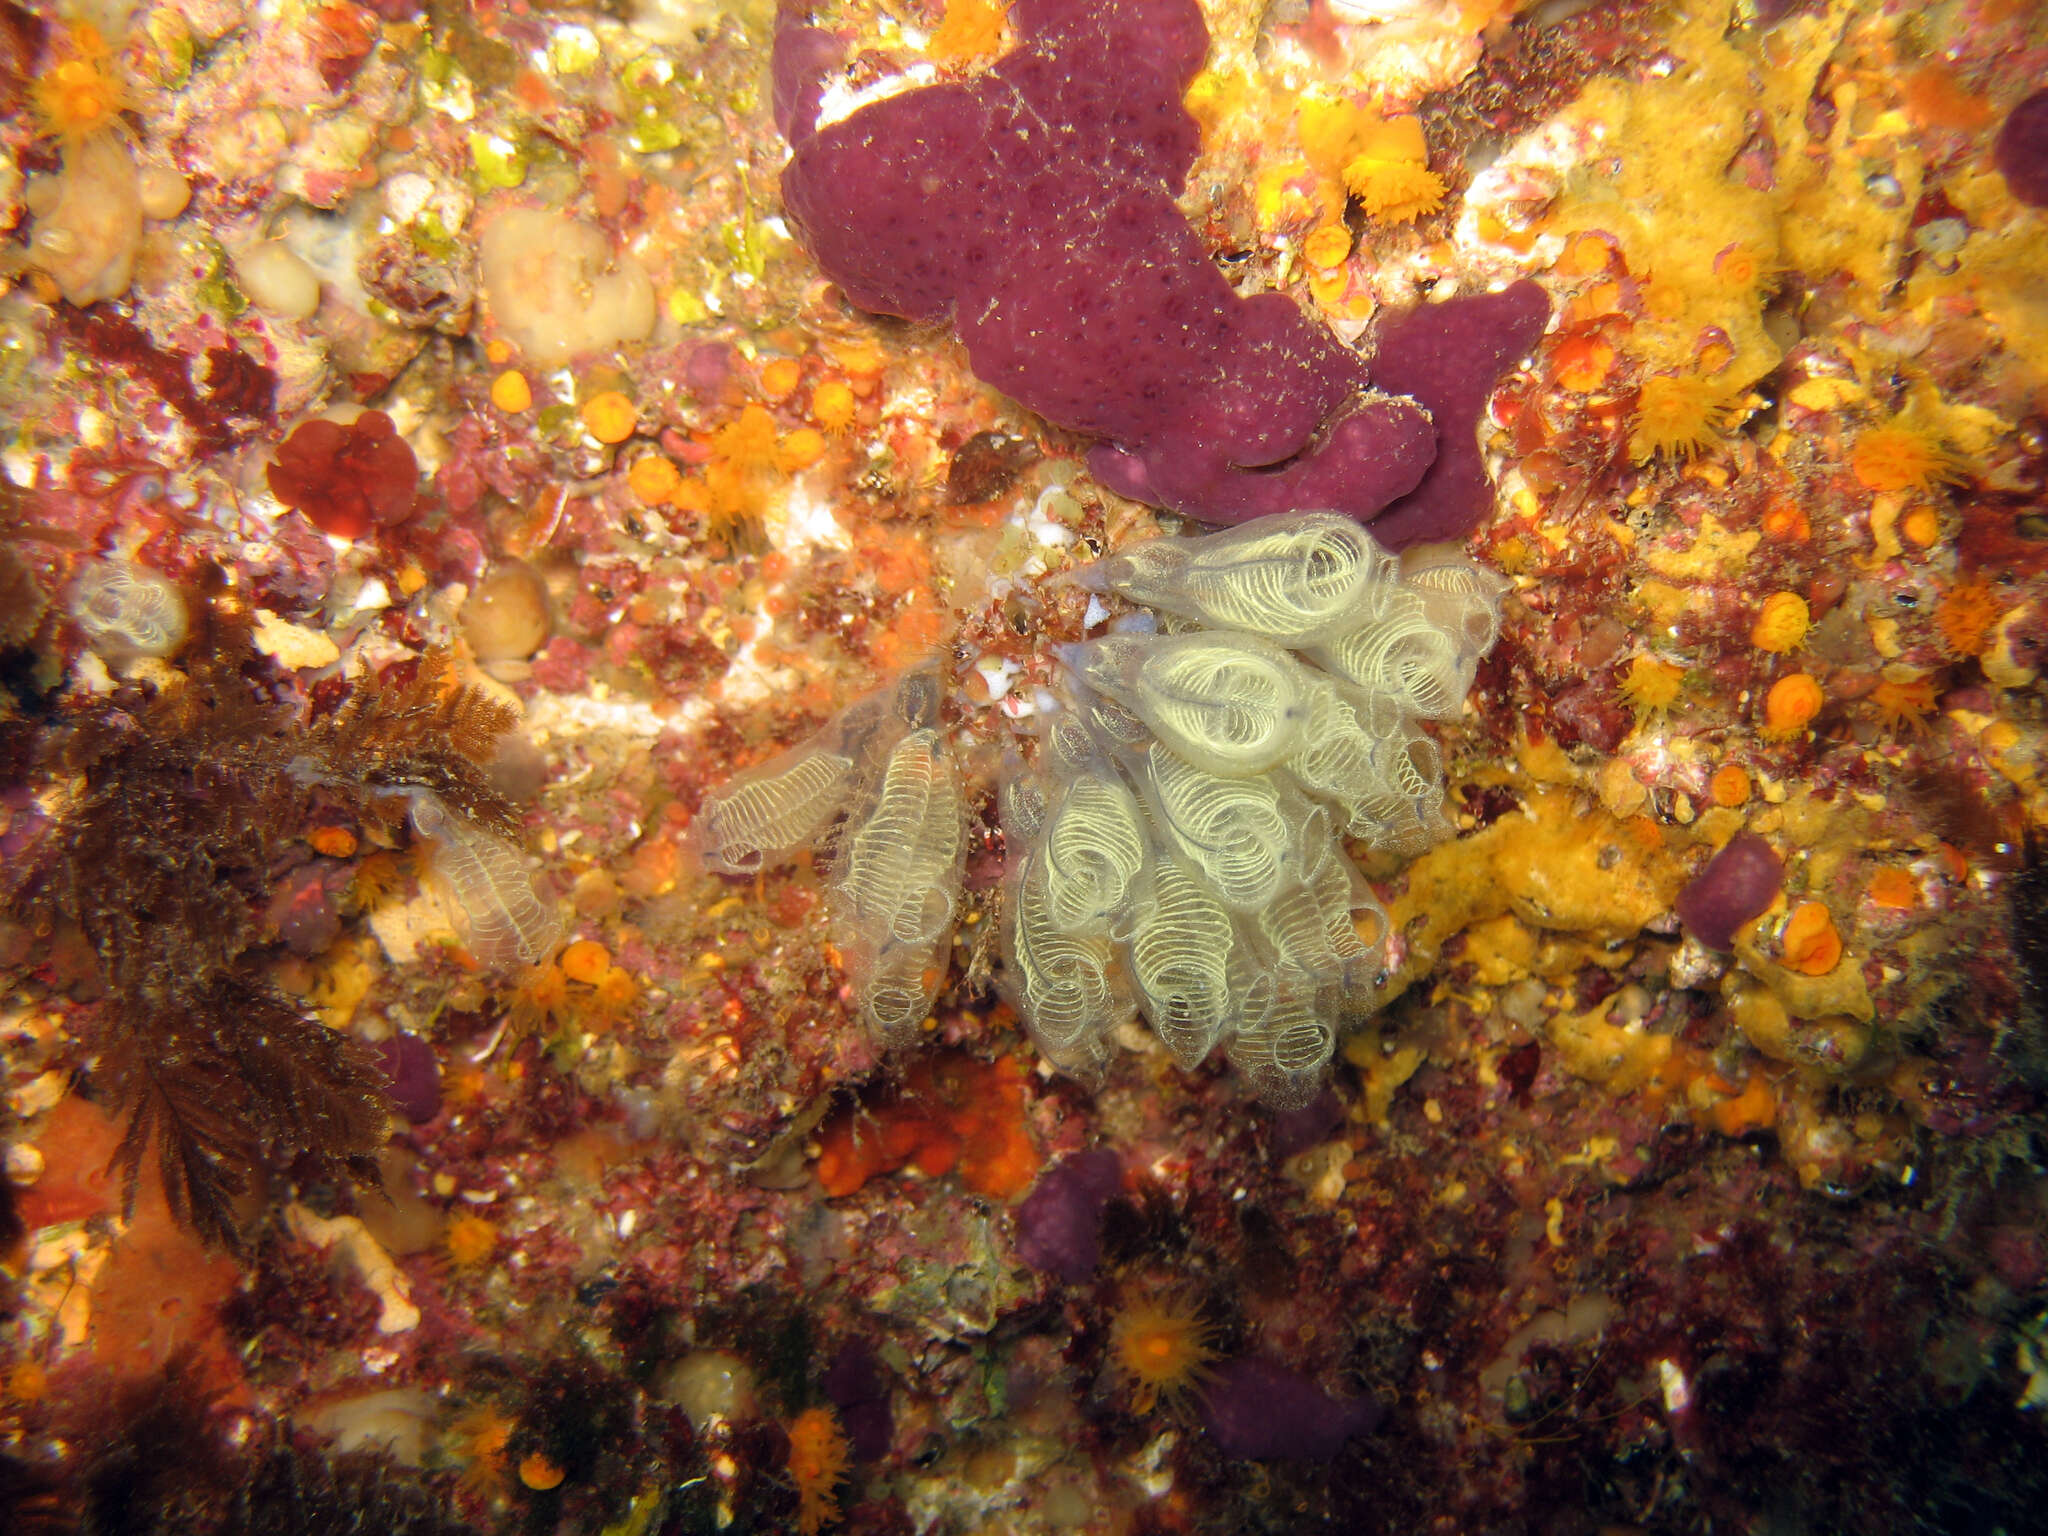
(1259, 1409)
(1059, 1225)
(1033, 207)
(2021, 151)
(1739, 883)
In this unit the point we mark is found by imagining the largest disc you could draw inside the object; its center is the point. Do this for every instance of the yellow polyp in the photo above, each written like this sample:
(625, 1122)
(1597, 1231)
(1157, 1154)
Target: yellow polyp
(1213, 97)
(1277, 196)
(1790, 706)
(1587, 255)
(1678, 416)
(1394, 191)
(586, 961)
(1651, 686)
(511, 393)
(609, 416)
(780, 377)
(1901, 456)
(1327, 246)
(1782, 624)
(749, 443)
(833, 406)
(82, 93)
(1921, 527)
(1329, 132)
(971, 30)
(654, 479)
(803, 448)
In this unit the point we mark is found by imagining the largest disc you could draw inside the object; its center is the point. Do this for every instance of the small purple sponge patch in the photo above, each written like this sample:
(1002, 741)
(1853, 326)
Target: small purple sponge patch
(1739, 883)
(1033, 206)
(1059, 1224)
(1261, 1410)
(413, 1072)
(2021, 151)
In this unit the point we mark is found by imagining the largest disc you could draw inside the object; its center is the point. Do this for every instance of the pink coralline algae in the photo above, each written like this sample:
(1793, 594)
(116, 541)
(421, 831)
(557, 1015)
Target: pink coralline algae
(1033, 206)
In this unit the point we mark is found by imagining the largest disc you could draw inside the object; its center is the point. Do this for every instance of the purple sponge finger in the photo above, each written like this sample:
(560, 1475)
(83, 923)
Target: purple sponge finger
(1034, 204)
(1448, 356)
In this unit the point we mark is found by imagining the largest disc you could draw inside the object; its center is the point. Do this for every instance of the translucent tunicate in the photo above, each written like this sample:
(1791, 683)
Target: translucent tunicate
(508, 922)
(1212, 758)
(1289, 579)
(126, 611)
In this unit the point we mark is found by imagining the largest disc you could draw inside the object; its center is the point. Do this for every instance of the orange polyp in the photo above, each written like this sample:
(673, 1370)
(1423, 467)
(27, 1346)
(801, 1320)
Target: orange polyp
(1729, 785)
(1581, 363)
(1901, 457)
(1753, 1109)
(1161, 1347)
(953, 1113)
(1791, 705)
(1587, 255)
(540, 1474)
(1894, 889)
(1966, 616)
(586, 961)
(1810, 944)
(818, 1456)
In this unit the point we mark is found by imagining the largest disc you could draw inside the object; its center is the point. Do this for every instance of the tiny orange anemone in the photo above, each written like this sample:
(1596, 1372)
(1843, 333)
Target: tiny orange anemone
(1810, 944)
(1160, 1345)
(1394, 191)
(1651, 686)
(1781, 624)
(1902, 456)
(817, 1464)
(1896, 890)
(833, 405)
(80, 93)
(1729, 786)
(1903, 704)
(970, 31)
(1790, 706)
(470, 1239)
(1746, 268)
(1966, 615)
(1677, 416)
(1581, 363)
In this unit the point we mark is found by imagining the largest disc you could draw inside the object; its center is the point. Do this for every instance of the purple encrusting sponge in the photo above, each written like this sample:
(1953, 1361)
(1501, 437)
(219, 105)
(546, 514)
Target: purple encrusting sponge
(1033, 206)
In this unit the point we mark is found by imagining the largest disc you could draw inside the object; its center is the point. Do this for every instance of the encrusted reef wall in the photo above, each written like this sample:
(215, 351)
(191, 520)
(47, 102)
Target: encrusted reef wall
(680, 899)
